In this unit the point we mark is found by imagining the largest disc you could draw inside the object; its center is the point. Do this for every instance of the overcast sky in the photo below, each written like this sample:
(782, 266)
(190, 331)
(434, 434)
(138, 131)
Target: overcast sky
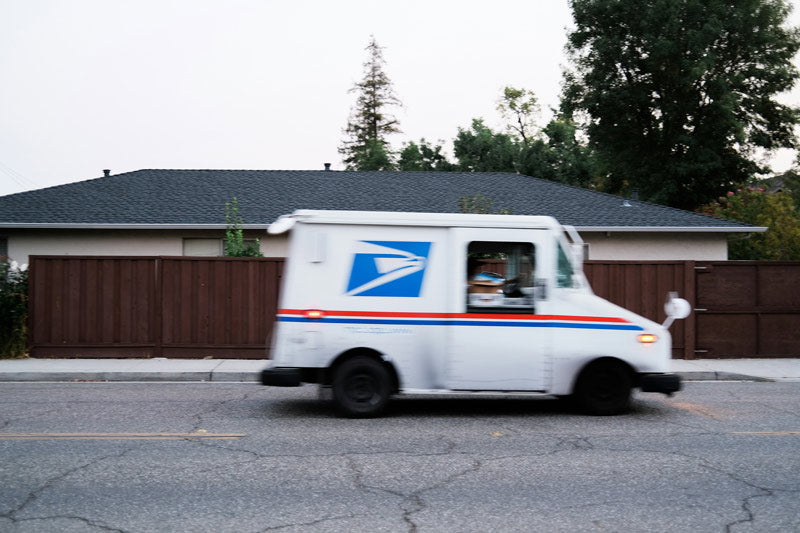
(251, 84)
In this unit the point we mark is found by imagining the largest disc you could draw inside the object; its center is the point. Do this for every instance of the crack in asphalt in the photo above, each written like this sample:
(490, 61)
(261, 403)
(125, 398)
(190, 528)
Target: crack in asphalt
(572, 443)
(200, 416)
(413, 502)
(310, 523)
(750, 515)
(49, 483)
(410, 503)
(762, 492)
(86, 521)
(256, 456)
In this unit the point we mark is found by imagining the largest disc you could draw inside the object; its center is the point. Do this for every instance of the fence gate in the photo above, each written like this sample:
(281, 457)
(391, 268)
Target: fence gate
(747, 309)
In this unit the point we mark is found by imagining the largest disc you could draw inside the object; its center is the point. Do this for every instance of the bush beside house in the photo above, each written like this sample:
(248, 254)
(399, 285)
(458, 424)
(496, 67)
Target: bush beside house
(13, 310)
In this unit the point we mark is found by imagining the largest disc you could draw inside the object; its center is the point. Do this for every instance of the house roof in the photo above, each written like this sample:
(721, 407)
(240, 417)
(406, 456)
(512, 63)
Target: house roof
(196, 198)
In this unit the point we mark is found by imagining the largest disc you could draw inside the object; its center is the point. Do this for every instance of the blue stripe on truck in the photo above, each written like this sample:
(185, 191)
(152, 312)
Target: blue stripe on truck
(483, 323)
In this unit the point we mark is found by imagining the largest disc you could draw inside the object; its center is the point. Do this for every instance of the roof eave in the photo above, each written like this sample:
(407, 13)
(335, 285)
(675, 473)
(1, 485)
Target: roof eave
(673, 229)
(53, 225)
(615, 229)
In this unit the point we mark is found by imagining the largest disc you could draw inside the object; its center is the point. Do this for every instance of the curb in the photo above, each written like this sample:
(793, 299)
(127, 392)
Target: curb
(142, 377)
(711, 375)
(255, 377)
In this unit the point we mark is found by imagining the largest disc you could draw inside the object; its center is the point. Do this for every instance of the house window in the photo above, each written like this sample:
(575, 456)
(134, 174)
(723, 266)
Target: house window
(500, 277)
(3, 249)
(202, 247)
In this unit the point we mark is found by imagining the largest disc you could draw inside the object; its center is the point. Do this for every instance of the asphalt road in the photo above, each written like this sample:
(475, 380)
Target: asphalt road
(719, 456)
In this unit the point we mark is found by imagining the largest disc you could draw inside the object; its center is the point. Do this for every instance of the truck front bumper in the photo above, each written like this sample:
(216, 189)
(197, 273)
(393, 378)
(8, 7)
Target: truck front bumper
(281, 377)
(666, 383)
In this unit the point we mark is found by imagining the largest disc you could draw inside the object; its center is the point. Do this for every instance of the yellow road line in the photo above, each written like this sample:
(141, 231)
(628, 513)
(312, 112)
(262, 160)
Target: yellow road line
(119, 436)
(771, 433)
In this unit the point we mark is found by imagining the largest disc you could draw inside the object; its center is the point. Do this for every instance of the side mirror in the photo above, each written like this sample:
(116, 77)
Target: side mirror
(676, 309)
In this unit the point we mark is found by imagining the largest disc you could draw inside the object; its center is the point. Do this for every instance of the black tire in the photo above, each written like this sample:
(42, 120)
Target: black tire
(361, 387)
(604, 388)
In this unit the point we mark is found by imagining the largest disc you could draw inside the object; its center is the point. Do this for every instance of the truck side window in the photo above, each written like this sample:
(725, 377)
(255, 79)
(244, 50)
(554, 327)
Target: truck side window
(565, 272)
(500, 277)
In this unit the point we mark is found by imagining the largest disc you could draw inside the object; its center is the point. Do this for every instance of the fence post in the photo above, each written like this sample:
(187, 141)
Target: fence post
(158, 311)
(690, 322)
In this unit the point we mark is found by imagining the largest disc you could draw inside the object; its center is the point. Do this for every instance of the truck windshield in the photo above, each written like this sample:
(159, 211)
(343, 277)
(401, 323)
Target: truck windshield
(565, 274)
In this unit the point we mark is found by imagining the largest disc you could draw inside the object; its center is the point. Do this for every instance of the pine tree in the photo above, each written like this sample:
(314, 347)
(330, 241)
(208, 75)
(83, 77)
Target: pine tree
(366, 146)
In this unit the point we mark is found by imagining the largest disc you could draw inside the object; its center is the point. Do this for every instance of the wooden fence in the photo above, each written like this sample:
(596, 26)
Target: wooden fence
(152, 306)
(642, 287)
(740, 308)
(225, 307)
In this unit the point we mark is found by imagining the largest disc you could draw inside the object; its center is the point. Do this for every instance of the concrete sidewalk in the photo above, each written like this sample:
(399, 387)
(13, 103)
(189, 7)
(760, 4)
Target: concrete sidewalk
(157, 369)
(738, 369)
(238, 370)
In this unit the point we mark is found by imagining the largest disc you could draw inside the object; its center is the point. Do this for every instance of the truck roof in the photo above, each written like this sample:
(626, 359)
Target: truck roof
(390, 218)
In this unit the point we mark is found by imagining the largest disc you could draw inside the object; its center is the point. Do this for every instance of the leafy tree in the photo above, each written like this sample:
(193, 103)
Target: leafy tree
(366, 146)
(558, 155)
(423, 156)
(778, 212)
(479, 149)
(479, 204)
(519, 108)
(235, 245)
(679, 94)
(13, 309)
(553, 153)
(788, 182)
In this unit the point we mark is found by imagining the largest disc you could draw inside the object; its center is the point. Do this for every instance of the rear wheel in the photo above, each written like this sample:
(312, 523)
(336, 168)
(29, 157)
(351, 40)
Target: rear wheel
(604, 388)
(361, 387)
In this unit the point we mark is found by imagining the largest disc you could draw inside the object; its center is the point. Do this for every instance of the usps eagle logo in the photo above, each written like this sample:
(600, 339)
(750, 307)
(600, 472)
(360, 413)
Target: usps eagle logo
(388, 268)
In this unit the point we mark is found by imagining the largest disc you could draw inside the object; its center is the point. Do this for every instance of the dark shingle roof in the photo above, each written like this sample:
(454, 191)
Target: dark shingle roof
(194, 197)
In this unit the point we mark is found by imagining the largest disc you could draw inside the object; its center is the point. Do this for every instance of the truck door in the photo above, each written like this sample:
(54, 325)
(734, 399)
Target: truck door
(496, 339)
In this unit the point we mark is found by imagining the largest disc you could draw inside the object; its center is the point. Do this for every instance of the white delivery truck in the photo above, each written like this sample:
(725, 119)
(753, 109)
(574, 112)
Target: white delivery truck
(378, 303)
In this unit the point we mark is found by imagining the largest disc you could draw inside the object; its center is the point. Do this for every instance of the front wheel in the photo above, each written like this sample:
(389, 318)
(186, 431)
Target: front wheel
(361, 387)
(604, 388)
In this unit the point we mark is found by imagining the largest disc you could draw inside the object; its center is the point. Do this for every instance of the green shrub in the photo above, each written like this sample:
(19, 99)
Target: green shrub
(235, 245)
(13, 310)
(777, 212)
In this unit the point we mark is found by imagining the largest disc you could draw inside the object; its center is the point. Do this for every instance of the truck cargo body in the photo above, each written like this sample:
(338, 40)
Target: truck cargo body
(453, 303)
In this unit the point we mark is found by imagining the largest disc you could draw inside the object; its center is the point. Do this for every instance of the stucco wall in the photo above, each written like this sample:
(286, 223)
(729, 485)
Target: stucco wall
(24, 243)
(610, 246)
(657, 246)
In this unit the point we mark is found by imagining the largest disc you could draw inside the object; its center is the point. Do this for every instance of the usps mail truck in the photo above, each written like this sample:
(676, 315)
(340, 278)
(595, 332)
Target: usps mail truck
(375, 304)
